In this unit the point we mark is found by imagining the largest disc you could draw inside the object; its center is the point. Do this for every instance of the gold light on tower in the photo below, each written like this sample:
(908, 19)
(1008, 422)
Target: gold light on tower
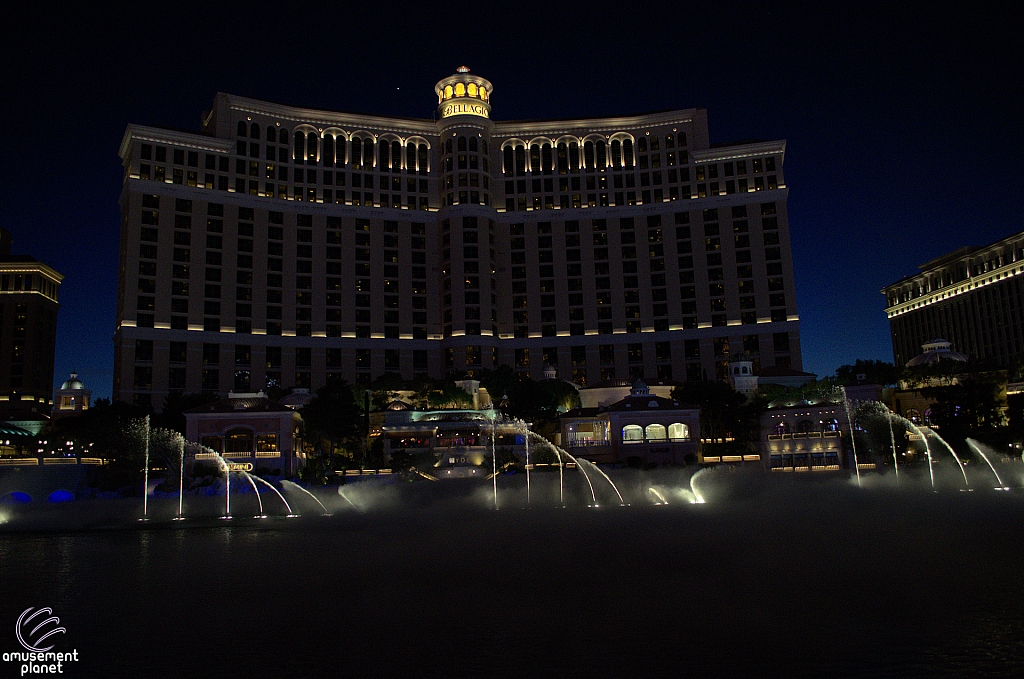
(463, 94)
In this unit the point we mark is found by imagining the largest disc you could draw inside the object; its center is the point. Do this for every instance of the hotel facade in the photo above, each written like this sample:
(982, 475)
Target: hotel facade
(972, 297)
(287, 246)
(28, 333)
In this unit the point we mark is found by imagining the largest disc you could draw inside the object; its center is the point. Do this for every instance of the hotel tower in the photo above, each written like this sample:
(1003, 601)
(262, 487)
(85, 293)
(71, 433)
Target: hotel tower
(288, 246)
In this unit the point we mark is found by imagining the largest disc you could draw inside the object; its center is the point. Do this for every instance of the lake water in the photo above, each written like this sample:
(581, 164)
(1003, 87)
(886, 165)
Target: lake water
(798, 578)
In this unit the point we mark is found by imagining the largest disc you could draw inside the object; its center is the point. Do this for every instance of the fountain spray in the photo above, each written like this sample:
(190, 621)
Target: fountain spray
(892, 439)
(292, 484)
(977, 448)
(527, 438)
(271, 486)
(145, 475)
(953, 453)
(853, 439)
(927, 451)
(181, 476)
(253, 484)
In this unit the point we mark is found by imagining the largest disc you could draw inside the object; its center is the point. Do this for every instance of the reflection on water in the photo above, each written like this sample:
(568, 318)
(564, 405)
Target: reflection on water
(821, 581)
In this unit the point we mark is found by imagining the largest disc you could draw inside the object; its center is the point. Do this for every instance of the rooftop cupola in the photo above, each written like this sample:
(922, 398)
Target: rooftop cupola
(463, 94)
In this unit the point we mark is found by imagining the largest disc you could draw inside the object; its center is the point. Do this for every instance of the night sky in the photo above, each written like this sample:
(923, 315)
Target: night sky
(903, 128)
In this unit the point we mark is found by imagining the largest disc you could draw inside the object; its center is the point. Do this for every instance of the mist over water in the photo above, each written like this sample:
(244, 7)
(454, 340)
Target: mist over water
(802, 575)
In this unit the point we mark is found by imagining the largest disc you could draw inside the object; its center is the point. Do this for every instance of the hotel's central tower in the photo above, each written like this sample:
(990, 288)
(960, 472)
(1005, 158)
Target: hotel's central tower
(468, 265)
(288, 246)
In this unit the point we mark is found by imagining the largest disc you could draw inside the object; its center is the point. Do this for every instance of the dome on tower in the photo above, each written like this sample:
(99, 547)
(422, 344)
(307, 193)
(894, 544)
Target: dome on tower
(73, 382)
(464, 94)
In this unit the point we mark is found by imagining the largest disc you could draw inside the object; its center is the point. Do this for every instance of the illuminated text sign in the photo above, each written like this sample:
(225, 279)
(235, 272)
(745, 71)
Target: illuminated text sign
(464, 108)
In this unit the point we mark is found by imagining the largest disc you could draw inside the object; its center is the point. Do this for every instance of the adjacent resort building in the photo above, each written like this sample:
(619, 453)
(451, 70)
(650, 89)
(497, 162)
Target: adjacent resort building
(28, 334)
(972, 298)
(285, 246)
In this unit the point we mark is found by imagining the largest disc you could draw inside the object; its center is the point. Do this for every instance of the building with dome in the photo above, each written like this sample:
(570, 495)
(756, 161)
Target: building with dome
(973, 297)
(285, 246)
(741, 375)
(71, 399)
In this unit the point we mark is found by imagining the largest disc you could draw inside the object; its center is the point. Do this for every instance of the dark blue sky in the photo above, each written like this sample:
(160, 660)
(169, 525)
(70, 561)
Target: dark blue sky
(903, 129)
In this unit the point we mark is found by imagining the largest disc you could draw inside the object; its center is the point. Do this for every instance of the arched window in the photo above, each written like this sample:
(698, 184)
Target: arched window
(410, 157)
(448, 91)
(655, 432)
(472, 90)
(654, 143)
(472, 144)
(782, 428)
(588, 155)
(328, 150)
(239, 441)
(616, 154)
(422, 153)
(254, 131)
(574, 156)
(627, 152)
(300, 146)
(830, 425)
(243, 129)
(271, 134)
(632, 433)
(804, 426)
(396, 156)
(677, 431)
(602, 156)
(520, 160)
(340, 145)
(547, 162)
(507, 166)
(384, 151)
(311, 147)
(535, 158)
(642, 145)
(483, 144)
(462, 144)
(357, 152)
(670, 141)
(367, 153)
(460, 91)
(914, 415)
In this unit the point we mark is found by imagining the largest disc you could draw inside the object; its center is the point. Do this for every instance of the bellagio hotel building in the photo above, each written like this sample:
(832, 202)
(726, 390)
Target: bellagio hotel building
(289, 246)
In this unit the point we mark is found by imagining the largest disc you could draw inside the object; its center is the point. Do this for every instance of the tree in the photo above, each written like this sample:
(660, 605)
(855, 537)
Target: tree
(172, 416)
(724, 412)
(875, 438)
(539, 402)
(109, 429)
(450, 395)
(972, 406)
(333, 419)
(877, 372)
(384, 389)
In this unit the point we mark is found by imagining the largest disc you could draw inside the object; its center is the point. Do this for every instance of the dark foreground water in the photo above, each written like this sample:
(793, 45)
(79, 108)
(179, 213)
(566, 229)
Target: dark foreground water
(792, 579)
